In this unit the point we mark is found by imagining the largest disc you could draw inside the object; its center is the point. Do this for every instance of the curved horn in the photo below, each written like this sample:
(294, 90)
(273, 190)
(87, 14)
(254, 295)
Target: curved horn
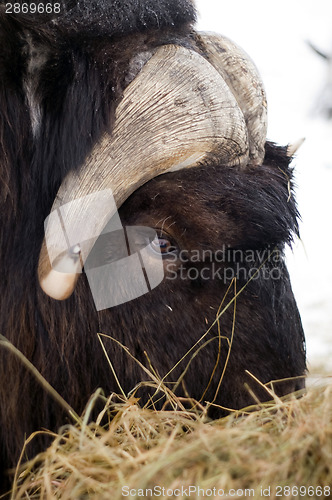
(175, 114)
(243, 79)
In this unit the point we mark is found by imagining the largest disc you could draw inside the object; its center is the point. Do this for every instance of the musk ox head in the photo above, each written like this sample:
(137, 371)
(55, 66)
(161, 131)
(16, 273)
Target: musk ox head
(184, 108)
(126, 99)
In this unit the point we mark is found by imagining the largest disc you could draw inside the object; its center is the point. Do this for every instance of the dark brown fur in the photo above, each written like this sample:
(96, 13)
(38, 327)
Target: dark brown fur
(204, 208)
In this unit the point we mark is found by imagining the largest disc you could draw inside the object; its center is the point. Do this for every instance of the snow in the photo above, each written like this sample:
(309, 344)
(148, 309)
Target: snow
(275, 35)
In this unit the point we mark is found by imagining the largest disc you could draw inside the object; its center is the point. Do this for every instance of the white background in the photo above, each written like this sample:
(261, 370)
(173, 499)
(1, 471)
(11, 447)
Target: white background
(274, 34)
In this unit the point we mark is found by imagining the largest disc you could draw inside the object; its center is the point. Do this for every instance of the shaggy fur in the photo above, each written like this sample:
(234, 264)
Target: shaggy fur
(73, 69)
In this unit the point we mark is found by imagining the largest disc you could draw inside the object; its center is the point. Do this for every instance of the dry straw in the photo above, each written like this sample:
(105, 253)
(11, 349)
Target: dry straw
(283, 443)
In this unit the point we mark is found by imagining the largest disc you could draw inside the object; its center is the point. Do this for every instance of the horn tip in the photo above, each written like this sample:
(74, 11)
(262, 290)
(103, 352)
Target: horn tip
(294, 147)
(58, 286)
(59, 283)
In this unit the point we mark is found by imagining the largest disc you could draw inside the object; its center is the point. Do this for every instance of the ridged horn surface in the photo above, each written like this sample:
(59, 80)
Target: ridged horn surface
(243, 79)
(175, 114)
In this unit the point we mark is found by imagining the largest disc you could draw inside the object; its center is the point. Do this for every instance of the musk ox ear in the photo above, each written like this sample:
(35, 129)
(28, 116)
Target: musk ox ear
(250, 208)
(282, 199)
(261, 202)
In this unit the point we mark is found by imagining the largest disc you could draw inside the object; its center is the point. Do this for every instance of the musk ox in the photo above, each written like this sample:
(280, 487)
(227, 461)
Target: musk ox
(125, 97)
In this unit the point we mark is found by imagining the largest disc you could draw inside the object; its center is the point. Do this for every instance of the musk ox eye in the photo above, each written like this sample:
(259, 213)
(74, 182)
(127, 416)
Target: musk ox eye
(164, 246)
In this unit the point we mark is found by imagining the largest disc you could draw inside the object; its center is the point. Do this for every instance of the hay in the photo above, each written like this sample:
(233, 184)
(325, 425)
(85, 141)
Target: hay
(282, 444)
